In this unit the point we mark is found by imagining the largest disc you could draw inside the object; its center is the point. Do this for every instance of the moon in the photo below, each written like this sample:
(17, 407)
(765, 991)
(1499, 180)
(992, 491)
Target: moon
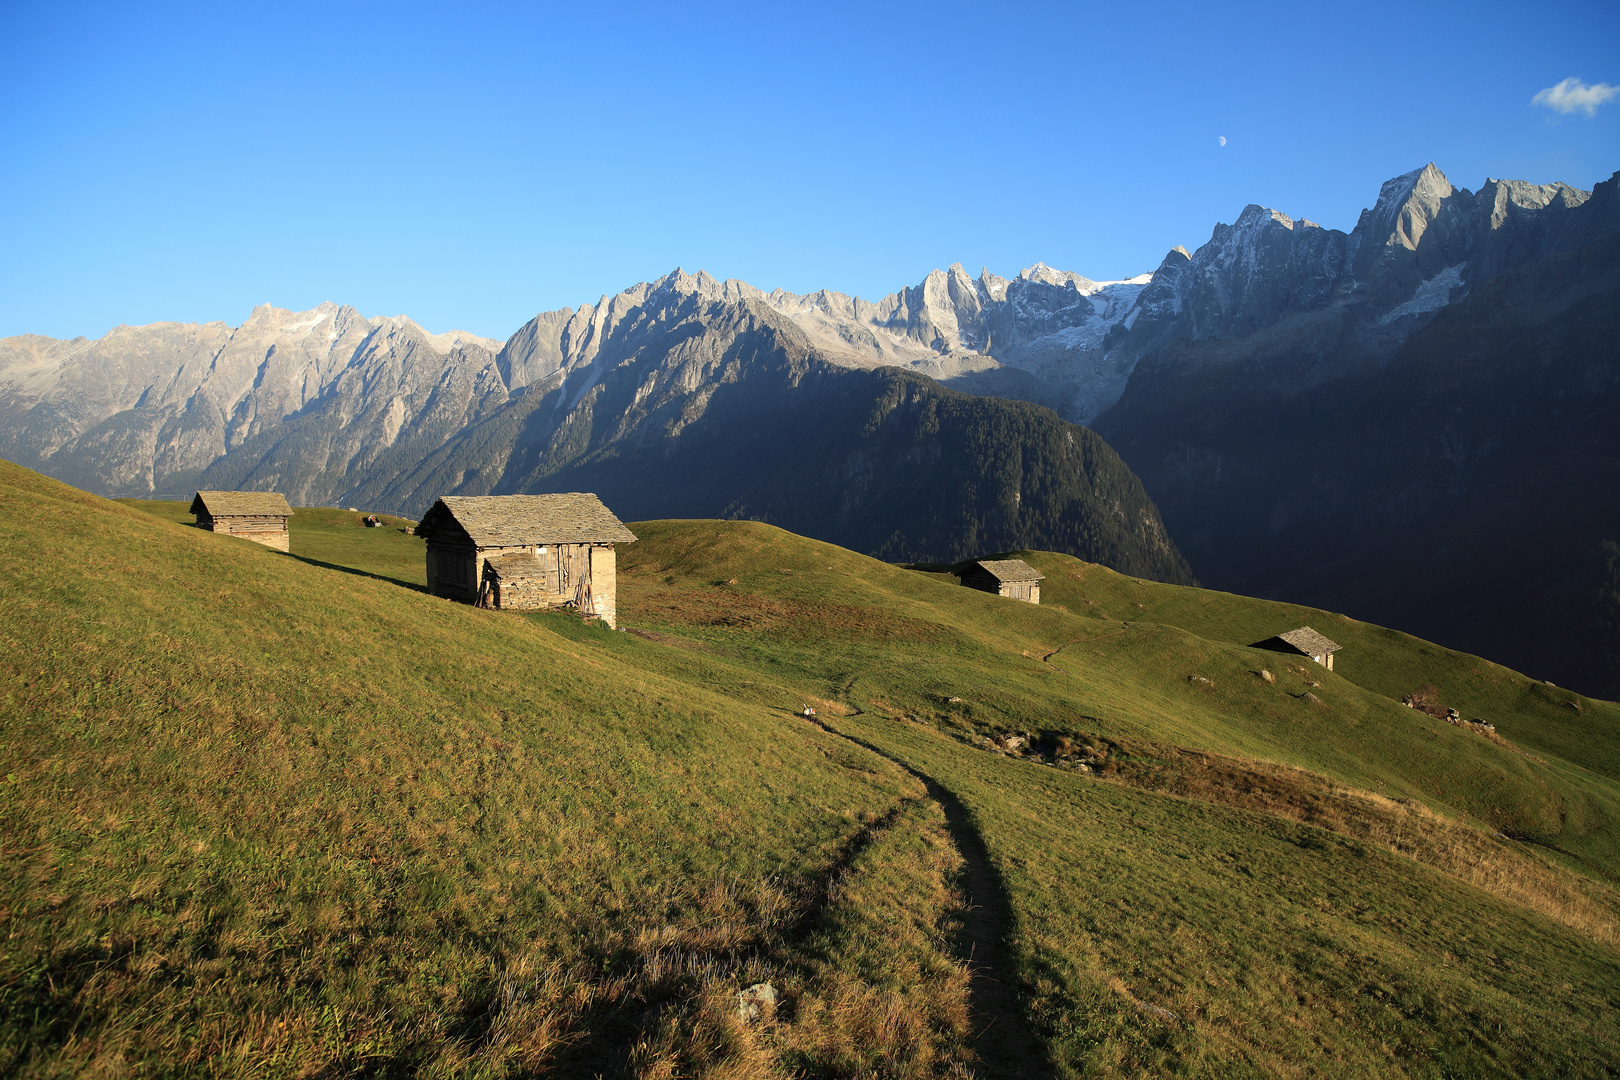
(1223, 140)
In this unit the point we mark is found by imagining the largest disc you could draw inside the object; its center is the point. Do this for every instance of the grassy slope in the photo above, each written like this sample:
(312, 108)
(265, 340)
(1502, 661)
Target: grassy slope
(379, 891)
(333, 538)
(265, 816)
(1213, 913)
(916, 640)
(1532, 713)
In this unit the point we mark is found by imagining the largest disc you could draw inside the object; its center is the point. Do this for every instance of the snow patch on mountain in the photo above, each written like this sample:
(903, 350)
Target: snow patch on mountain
(1432, 295)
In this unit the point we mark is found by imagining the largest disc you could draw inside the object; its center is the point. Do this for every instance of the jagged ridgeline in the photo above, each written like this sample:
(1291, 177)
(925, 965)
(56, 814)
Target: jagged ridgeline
(684, 398)
(1431, 443)
(883, 461)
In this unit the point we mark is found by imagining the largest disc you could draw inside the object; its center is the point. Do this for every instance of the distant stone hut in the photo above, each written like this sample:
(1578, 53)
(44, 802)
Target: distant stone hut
(1305, 642)
(524, 552)
(260, 516)
(1005, 577)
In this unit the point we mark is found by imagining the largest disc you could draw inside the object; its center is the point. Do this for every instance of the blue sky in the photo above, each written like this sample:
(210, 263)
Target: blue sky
(472, 164)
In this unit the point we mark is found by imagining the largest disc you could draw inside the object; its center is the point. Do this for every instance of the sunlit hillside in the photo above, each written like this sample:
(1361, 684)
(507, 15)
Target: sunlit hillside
(274, 814)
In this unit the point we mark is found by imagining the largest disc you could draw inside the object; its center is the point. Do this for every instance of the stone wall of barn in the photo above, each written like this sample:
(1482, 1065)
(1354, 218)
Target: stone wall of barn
(456, 573)
(605, 583)
(269, 531)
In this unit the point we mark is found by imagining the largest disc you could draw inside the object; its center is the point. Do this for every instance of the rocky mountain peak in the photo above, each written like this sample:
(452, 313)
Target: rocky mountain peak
(1174, 261)
(1406, 206)
(1425, 184)
(1504, 193)
(993, 285)
(1255, 216)
(1418, 228)
(1048, 276)
(678, 282)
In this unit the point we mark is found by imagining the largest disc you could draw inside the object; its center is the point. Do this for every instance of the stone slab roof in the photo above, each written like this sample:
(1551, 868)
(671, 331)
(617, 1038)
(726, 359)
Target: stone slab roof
(1010, 570)
(241, 504)
(1309, 642)
(518, 520)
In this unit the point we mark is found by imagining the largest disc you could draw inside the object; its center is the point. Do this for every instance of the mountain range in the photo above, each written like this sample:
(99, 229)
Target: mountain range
(683, 398)
(1390, 421)
(1426, 434)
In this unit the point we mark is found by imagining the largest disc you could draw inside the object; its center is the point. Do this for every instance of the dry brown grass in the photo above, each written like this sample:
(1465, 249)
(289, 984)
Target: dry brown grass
(1499, 866)
(887, 993)
(867, 973)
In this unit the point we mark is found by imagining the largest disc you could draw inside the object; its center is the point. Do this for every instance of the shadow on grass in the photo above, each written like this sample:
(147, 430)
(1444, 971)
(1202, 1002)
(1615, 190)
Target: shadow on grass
(411, 585)
(611, 1033)
(1004, 1042)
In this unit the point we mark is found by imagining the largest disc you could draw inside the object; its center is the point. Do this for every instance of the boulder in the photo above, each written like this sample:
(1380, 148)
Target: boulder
(758, 1002)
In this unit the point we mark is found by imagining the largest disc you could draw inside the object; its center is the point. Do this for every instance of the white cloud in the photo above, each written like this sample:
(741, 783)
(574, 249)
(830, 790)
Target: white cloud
(1572, 95)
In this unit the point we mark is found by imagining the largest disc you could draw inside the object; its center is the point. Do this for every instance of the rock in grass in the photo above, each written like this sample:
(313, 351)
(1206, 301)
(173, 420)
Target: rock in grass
(758, 1002)
(1266, 676)
(1310, 697)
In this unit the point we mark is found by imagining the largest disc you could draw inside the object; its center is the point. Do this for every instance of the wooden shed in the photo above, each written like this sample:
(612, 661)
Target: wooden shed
(523, 552)
(260, 516)
(1305, 642)
(1006, 577)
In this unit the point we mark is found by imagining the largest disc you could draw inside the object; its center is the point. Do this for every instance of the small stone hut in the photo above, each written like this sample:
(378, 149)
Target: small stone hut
(260, 516)
(523, 552)
(1006, 577)
(1305, 642)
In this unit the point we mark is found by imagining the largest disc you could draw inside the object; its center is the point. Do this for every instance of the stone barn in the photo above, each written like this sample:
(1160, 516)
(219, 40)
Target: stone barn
(1006, 577)
(260, 516)
(525, 552)
(1305, 642)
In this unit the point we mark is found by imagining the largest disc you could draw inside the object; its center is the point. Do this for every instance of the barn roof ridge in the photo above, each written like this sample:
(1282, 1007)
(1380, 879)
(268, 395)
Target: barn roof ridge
(573, 517)
(236, 503)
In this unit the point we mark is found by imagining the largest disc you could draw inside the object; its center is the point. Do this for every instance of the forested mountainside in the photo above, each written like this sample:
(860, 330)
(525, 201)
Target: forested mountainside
(885, 462)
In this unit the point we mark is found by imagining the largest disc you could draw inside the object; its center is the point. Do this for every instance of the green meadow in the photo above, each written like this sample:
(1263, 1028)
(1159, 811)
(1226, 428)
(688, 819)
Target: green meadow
(288, 815)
